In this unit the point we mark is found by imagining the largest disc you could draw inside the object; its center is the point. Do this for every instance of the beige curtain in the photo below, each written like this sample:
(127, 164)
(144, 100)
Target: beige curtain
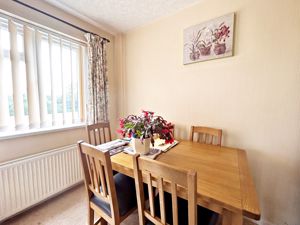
(97, 108)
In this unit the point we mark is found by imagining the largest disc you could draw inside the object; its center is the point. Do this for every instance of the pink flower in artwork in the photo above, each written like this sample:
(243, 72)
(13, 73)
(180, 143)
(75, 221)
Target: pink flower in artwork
(220, 34)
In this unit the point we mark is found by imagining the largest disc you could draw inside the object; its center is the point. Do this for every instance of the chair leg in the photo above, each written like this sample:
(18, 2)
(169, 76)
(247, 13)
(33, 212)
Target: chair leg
(219, 222)
(91, 216)
(103, 222)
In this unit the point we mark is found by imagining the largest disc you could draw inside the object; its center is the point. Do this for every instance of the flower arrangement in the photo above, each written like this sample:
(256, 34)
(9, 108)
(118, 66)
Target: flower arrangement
(145, 126)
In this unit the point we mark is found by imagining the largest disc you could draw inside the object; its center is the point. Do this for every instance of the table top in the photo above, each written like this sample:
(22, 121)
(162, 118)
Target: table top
(224, 180)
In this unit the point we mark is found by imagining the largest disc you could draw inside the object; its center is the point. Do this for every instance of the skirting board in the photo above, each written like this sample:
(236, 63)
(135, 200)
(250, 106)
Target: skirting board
(254, 222)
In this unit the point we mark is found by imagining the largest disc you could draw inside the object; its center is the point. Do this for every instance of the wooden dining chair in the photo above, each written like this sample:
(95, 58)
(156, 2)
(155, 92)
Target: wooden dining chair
(112, 198)
(168, 208)
(98, 133)
(206, 135)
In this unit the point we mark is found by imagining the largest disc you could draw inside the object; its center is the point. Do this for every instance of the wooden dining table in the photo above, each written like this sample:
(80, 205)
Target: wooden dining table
(224, 181)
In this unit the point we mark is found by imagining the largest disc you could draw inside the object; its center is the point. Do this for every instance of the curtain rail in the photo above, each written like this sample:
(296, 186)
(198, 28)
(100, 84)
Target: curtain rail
(56, 18)
(42, 28)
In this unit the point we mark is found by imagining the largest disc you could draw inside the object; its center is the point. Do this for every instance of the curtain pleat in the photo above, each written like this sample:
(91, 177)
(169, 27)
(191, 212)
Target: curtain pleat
(97, 108)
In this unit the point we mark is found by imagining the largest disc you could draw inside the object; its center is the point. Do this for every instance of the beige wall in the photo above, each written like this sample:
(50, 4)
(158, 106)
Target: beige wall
(18, 147)
(253, 96)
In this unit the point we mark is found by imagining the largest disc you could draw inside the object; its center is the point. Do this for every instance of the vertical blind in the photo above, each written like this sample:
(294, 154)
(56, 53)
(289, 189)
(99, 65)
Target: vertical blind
(40, 77)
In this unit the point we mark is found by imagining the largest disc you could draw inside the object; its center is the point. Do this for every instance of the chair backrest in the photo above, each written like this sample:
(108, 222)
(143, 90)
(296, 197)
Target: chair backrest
(164, 178)
(98, 177)
(206, 135)
(98, 133)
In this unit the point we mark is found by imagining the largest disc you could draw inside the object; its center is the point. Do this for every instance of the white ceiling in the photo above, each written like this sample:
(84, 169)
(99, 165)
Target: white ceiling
(121, 15)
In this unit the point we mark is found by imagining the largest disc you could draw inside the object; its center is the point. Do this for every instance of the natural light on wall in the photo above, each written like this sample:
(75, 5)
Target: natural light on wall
(41, 75)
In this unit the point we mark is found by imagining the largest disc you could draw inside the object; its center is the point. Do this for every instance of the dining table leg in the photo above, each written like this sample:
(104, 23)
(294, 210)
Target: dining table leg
(232, 218)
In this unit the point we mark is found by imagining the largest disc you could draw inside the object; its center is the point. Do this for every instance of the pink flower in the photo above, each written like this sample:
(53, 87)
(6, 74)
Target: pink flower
(165, 131)
(145, 113)
(122, 123)
(170, 126)
(130, 134)
(121, 132)
(167, 141)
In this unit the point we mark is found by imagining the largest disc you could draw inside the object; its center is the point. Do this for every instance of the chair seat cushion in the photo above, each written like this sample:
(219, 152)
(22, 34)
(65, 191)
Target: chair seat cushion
(204, 216)
(126, 195)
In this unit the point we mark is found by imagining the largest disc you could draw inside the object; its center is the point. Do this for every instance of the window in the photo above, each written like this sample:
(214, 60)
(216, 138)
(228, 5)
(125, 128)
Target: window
(40, 77)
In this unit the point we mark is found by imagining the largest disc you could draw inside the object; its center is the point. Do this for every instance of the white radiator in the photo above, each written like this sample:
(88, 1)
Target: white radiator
(27, 181)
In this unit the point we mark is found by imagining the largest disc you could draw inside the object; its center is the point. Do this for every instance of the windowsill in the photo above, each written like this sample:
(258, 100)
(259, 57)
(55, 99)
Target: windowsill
(32, 132)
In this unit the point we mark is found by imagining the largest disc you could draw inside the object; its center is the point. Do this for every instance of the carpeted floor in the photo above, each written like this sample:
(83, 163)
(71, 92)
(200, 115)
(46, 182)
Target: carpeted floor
(69, 208)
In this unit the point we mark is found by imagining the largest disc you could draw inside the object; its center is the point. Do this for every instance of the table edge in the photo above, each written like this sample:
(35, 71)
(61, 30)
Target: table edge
(248, 191)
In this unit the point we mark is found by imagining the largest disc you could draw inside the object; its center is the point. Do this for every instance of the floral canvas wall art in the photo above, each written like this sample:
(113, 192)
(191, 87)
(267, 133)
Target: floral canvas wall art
(209, 40)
